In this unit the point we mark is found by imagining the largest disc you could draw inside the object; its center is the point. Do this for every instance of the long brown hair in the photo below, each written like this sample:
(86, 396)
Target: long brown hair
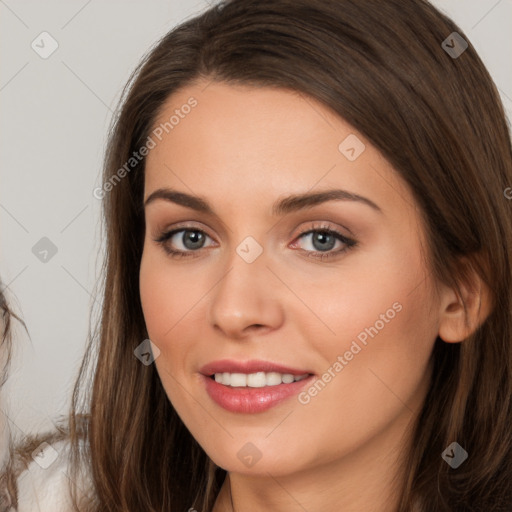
(7, 485)
(437, 118)
(5, 358)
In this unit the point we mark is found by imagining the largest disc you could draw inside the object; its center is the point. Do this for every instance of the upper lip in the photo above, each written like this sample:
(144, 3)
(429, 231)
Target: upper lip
(253, 366)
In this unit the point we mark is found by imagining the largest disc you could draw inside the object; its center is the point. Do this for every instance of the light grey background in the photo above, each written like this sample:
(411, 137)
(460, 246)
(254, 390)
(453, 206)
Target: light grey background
(54, 119)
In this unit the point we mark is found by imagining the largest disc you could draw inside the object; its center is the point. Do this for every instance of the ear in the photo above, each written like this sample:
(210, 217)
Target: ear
(454, 324)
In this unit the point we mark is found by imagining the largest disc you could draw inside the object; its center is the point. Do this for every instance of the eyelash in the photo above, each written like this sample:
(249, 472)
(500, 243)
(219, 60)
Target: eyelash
(325, 229)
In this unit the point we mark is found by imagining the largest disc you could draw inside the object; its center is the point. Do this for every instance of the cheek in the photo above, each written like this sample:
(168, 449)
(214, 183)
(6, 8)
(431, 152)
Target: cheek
(378, 298)
(386, 336)
(155, 297)
(165, 296)
(172, 308)
(381, 338)
(376, 371)
(163, 299)
(384, 314)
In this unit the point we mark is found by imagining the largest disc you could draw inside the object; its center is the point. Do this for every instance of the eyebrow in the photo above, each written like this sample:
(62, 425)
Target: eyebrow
(281, 207)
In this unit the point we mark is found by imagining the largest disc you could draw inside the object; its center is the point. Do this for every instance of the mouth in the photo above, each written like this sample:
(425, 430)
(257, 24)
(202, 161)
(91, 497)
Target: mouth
(252, 386)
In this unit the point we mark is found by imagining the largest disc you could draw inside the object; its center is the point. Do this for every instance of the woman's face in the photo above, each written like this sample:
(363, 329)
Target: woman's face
(272, 284)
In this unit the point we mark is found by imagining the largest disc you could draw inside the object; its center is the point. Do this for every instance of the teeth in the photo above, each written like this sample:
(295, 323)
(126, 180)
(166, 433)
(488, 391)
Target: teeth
(257, 380)
(238, 380)
(273, 379)
(287, 378)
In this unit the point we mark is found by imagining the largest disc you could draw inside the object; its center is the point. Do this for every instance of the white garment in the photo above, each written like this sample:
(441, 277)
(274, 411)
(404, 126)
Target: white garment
(45, 485)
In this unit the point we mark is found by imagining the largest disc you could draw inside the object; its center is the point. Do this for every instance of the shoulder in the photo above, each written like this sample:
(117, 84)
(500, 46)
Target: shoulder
(45, 485)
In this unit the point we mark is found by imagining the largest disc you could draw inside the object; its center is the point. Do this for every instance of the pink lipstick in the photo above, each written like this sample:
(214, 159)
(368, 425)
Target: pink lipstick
(252, 386)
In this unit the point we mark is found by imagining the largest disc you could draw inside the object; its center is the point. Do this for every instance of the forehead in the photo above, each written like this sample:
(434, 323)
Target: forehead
(242, 143)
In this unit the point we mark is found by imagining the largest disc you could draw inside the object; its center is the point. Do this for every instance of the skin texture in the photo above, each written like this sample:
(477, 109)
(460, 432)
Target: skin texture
(242, 149)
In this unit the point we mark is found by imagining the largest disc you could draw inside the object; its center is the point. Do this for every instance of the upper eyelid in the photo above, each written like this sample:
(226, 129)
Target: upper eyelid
(178, 228)
(326, 225)
(306, 210)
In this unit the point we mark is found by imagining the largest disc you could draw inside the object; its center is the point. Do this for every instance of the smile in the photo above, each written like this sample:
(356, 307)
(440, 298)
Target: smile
(256, 380)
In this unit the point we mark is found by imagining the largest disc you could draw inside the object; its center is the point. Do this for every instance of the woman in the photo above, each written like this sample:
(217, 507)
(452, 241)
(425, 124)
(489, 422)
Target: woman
(370, 373)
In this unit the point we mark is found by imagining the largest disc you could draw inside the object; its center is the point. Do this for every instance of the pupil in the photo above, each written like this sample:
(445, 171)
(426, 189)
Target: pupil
(323, 237)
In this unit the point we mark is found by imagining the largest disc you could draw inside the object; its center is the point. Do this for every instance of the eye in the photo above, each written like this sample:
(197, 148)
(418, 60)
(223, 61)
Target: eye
(191, 240)
(323, 239)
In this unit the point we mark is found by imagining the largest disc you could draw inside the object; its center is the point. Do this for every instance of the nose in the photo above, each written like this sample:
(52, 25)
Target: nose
(246, 299)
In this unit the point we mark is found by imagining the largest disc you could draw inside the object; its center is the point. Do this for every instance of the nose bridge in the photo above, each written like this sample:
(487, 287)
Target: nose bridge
(245, 294)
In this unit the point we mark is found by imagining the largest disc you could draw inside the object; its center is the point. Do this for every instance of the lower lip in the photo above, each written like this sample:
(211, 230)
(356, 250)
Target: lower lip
(252, 400)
